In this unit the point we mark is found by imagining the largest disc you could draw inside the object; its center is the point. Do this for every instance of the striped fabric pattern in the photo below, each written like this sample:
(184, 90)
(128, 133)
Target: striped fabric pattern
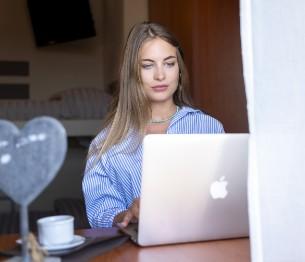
(111, 183)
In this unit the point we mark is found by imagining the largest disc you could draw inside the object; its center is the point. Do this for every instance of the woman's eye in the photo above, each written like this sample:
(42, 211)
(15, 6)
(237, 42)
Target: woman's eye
(147, 66)
(170, 64)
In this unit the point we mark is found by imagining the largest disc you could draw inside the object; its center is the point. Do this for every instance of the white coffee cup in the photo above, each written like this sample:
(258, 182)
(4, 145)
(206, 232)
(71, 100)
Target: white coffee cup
(55, 230)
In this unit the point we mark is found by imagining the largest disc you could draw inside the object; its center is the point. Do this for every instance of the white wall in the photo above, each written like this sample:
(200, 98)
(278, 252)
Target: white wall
(134, 11)
(52, 68)
(88, 62)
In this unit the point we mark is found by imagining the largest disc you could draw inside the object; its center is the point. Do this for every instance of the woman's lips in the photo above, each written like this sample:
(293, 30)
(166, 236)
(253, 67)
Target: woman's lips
(159, 88)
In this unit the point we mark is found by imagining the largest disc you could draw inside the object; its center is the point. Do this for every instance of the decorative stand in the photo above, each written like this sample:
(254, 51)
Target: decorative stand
(29, 161)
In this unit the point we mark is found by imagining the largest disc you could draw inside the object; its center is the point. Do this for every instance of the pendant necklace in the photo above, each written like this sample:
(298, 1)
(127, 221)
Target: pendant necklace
(161, 121)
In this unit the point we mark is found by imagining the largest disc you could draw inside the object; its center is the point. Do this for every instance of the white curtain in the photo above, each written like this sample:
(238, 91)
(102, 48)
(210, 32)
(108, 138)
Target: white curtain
(273, 50)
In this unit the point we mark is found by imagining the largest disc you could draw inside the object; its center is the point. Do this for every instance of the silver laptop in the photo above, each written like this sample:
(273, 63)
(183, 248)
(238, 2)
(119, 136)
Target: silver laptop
(194, 188)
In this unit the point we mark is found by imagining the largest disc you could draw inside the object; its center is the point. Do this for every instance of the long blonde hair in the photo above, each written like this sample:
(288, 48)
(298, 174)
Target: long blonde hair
(131, 109)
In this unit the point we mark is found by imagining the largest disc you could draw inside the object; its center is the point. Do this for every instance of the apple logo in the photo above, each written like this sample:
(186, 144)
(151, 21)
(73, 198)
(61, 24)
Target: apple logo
(218, 188)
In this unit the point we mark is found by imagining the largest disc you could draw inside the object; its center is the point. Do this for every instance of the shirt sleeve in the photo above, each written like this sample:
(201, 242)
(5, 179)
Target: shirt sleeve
(101, 192)
(219, 127)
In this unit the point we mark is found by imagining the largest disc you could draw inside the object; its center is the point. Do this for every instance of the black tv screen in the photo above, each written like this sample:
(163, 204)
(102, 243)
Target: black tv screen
(58, 21)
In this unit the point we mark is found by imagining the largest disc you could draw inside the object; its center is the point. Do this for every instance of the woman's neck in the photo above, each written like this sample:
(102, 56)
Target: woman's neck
(162, 113)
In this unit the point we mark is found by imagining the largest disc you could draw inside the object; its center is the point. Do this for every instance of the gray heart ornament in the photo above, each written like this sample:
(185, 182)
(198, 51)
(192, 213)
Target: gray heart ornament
(31, 157)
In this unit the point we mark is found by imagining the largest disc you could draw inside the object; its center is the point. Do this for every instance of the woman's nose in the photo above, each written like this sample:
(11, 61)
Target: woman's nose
(159, 73)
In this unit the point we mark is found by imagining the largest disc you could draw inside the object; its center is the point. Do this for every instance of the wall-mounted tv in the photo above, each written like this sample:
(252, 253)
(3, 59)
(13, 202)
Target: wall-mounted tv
(58, 21)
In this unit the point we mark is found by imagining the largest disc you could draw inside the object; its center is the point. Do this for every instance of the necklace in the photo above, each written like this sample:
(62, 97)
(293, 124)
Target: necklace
(161, 121)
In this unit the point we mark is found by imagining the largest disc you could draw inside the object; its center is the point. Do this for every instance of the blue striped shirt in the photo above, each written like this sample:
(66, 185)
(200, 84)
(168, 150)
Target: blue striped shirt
(111, 183)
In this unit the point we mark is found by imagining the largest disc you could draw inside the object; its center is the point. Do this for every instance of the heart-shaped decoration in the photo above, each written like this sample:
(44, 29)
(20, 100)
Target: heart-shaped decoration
(30, 158)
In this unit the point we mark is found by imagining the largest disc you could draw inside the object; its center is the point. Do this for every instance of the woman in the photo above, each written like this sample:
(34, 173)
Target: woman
(152, 99)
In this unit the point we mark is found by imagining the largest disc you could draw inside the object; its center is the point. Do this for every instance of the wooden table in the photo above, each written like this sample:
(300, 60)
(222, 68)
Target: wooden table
(222, 250)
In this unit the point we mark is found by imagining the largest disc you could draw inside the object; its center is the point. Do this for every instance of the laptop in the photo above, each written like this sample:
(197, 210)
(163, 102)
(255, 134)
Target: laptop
(194, 188)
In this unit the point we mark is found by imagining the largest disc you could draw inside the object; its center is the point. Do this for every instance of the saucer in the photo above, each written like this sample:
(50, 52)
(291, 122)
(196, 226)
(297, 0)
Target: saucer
(77, 240)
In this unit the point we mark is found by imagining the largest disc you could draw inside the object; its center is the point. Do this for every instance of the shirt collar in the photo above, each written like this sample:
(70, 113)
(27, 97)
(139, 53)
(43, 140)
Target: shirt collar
(184, 110)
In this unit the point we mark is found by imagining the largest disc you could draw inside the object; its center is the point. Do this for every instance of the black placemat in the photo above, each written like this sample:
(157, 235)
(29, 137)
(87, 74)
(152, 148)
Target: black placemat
(91, 247)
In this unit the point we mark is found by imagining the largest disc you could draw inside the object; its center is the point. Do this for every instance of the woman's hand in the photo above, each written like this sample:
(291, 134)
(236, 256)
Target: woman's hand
(131, 215)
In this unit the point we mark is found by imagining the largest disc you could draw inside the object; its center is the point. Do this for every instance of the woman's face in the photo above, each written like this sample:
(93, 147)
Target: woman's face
(159, 70)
